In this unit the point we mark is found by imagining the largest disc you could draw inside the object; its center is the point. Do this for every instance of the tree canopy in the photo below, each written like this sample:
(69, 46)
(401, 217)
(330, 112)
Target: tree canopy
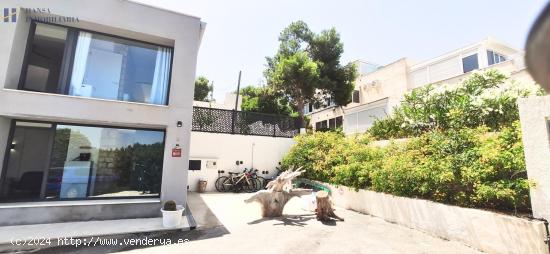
(202, 89)
(264, 100)
(307, 68)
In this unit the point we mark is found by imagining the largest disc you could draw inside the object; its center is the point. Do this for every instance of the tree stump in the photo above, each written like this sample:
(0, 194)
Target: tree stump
(278, 193)
(324, 209)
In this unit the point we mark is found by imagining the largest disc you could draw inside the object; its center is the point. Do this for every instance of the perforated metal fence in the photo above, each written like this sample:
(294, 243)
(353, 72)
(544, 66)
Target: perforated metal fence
(244, 123)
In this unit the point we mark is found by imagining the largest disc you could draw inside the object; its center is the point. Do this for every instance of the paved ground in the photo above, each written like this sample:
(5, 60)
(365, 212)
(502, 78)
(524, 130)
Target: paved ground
(228, 225)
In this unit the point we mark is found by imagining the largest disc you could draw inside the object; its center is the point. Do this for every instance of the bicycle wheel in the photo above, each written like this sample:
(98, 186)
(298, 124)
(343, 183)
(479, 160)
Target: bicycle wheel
(228, 185)
(262, 183)
(249, 186)
(237, 187)
(219, 183)
(257, 184)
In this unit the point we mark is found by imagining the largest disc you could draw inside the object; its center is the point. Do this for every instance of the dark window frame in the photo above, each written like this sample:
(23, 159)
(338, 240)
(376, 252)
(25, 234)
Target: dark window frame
(473, 56)
(339, 121)
(68, 60)
(332, 123)
(324, 124)
(494, 57)
(54, 126)
(317, 125)
(355, 96)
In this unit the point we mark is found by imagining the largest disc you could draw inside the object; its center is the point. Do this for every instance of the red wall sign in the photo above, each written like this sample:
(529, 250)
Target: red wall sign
(176, 152)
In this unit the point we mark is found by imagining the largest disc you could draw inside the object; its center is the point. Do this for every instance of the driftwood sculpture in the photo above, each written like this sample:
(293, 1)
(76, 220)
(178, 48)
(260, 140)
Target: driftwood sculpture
(324, 209)
(278, 193)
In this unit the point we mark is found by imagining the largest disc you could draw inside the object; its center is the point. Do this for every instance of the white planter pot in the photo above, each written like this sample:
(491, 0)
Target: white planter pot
(309, 202)
(172, 219)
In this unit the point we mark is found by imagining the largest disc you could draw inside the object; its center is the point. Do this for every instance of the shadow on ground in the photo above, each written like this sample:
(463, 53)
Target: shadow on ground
(292, 220)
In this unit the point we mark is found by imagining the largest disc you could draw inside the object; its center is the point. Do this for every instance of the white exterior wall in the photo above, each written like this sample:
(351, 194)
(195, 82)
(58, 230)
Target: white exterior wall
(126, 19)
(325, 114)
(534, 114)
(361, 118)
(262, 153)
(388, 83)
(446, 68)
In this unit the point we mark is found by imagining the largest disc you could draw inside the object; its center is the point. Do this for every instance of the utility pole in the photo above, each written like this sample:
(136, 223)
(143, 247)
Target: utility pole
(234, 115)
(238, 91)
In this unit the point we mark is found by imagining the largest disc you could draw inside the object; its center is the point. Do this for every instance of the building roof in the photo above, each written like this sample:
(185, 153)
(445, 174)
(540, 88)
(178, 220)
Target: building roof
(488, 40)
(161, 8)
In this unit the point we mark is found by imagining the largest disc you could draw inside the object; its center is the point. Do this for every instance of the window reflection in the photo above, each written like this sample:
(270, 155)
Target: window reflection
(105, 162)
(51, 162)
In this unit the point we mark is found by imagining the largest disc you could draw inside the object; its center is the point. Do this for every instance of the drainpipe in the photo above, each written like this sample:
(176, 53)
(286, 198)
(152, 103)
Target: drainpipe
(252, 166)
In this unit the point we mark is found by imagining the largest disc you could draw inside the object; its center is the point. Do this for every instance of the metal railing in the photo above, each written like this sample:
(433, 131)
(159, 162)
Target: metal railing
(245, 123)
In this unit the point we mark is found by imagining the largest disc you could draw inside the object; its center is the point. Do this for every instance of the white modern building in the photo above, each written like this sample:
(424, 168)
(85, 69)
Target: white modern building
(379, 89)
(96, 102)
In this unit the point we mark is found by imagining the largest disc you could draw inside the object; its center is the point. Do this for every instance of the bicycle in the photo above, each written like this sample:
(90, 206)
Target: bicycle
(236, 182)
(260, 181)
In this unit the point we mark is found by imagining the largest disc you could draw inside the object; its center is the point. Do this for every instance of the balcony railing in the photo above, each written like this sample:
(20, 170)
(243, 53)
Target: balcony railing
(244, 123)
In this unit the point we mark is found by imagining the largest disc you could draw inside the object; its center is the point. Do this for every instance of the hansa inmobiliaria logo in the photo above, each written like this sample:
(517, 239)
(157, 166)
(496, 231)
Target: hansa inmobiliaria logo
(35, 14)
(10, 15)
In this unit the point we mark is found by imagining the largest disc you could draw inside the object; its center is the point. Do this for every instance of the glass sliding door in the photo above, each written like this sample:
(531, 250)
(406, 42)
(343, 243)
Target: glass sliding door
(112, 68)
(25, 173)
(58, 162)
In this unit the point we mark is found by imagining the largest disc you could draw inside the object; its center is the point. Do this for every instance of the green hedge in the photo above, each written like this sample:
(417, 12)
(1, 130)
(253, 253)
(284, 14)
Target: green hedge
(470, 167)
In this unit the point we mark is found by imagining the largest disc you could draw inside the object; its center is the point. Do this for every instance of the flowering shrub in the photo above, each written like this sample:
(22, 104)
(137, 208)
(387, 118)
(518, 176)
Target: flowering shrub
(471, 167)
(463, 148)
(484, 99)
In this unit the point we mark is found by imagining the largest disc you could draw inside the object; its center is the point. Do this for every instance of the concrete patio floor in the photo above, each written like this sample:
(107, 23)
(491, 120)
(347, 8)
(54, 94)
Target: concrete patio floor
(226, 224)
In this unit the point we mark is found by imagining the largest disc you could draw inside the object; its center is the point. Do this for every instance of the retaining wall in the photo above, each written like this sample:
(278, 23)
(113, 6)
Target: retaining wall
(486, 231)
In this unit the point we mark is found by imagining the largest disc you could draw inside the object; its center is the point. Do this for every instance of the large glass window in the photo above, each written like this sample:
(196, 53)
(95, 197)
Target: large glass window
(470, 63)
(45, 59)
(56, 161)
(80, 63)
(117, 69)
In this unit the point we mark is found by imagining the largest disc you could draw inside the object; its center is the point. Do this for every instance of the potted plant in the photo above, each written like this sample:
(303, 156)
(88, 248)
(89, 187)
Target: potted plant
(171, 214)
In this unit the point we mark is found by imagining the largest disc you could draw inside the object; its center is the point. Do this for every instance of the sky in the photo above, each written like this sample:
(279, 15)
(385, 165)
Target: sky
(241, 33)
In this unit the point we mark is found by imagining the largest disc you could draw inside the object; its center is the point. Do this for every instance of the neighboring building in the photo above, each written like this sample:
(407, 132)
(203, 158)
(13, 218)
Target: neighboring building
(96, 102)
(380, 89)
(228, 103)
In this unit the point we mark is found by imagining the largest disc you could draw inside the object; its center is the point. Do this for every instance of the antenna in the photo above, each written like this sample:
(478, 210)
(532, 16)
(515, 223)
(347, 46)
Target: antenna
(212, 91)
